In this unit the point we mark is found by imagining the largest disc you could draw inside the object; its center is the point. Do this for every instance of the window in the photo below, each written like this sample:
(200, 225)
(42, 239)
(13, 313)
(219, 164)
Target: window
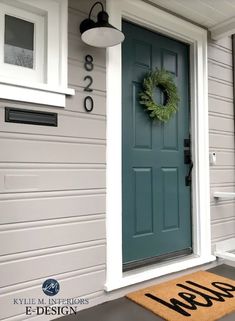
(33, 51)
(19, 42)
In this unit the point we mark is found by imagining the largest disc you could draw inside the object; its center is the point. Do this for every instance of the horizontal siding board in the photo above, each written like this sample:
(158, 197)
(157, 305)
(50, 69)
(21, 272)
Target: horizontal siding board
(221, 141)
(70, 287)
(77, 73)
(75, 18)
(220, 73)
(225, 42)
(220, 89)
(225, 158)
(220, 55)
(76, 103)
(43, 266)
(51, 180)
(214, 241)
(221, 176)
(29, 239)
(24, 210)
(77, 50)
(69, 125)
(50, 152)
(220, 212)
(215, 202)
(221, 106)
(222, 229)
(221, 123)
(228, 188)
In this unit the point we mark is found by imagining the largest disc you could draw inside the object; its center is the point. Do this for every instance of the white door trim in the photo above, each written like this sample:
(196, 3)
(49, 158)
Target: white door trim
(157, 20)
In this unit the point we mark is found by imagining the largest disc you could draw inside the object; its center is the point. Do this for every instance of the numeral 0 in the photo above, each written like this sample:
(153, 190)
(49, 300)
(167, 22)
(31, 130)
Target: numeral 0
(88, 104)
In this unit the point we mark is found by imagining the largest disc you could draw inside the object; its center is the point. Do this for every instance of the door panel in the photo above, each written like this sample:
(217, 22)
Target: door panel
(156, 202)
(170, 213)
(144, 187)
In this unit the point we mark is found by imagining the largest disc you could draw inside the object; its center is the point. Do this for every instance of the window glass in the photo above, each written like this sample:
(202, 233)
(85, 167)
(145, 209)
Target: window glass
(19, 42)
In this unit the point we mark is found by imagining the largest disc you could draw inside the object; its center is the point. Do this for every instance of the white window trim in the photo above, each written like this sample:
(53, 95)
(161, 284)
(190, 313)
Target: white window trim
(160, 21)
(54, 90)
(11, 71)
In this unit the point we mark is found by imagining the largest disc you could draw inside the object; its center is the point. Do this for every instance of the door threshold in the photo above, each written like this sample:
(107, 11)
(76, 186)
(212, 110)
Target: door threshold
(157, 270)
(157, 259)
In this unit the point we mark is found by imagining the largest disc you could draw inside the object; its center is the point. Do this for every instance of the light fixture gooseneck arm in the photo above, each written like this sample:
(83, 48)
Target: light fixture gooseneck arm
(100, 33)
(98, 2)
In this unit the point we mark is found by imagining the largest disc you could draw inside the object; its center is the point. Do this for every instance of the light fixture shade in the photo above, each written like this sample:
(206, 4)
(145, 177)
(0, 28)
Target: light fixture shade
(102, 37)
(100, 34)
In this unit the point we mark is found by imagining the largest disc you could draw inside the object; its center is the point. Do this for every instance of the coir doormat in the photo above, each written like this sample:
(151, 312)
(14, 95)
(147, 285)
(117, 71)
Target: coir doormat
(201, 296)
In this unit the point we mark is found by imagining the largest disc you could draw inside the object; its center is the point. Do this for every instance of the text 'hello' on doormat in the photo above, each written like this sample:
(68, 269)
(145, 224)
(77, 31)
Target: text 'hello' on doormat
(200, 296)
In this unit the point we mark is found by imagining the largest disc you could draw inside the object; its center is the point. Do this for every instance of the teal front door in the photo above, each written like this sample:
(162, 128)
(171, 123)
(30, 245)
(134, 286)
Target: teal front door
(156, 200)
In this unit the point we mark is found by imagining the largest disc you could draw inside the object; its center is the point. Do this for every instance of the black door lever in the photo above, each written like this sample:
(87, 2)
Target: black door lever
(187, 157)
(188, 178)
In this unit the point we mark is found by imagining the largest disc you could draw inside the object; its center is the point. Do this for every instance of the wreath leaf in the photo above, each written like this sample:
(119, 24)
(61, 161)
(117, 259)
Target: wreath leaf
(164, 80)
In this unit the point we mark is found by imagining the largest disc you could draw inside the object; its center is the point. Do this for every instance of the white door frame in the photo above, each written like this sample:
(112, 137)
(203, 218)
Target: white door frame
(157, 20)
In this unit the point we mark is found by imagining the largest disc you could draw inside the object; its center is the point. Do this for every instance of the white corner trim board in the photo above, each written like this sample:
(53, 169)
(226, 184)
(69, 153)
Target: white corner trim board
(157, 20)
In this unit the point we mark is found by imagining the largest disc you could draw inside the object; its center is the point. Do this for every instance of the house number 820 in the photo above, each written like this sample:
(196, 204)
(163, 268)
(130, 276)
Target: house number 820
(88, 101)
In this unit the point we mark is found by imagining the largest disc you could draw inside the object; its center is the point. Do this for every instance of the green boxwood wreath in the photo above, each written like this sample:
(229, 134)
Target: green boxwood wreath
(163, 80)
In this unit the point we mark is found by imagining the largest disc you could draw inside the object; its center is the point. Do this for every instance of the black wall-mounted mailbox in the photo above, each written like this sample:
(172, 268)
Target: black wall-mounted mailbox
(31, 117)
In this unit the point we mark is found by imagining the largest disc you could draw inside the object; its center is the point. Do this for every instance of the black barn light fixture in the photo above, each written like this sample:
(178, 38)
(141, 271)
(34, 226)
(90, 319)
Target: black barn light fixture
(101, 33)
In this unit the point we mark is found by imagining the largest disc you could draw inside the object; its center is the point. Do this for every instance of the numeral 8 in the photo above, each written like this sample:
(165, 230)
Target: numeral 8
(88, 63)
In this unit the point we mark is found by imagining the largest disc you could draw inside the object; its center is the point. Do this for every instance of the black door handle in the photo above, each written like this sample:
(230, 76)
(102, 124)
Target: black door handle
(187, 157)
(188, 178)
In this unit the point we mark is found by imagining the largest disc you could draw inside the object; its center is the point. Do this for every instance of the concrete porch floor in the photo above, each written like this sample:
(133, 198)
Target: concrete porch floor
(125, 310)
